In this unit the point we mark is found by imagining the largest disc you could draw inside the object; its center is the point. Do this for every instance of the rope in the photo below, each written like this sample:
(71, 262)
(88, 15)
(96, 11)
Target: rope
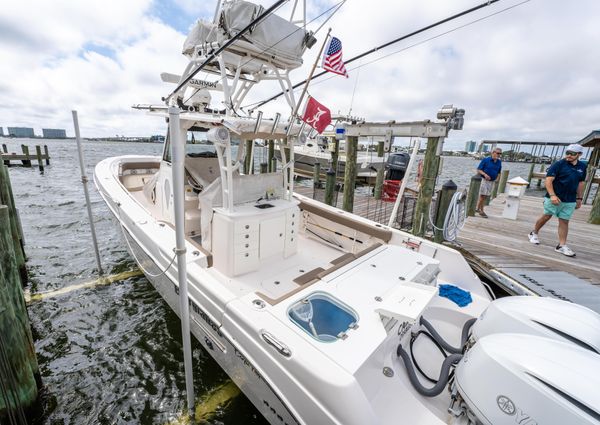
(144, 270)
(455, 217)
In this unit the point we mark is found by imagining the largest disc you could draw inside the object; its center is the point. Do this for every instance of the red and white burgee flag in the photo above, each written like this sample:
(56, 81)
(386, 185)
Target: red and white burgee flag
(332, 60)
(316, 115)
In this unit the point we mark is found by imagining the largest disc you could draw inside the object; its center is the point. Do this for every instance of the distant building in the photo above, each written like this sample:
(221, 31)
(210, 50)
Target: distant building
(486, 148)
(157, 138)
(21, 132)
(1, 131)
(471, 146)
(54, 133)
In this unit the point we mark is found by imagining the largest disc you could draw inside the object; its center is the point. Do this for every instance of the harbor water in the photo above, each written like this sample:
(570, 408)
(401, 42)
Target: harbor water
(111, 354)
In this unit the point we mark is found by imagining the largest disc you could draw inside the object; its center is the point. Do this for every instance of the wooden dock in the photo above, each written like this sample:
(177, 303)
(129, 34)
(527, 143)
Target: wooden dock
(499, 243)
(25, 157)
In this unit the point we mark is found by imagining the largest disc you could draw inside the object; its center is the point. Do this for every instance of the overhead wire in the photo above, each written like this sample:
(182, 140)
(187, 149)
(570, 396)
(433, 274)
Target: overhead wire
(296, 86)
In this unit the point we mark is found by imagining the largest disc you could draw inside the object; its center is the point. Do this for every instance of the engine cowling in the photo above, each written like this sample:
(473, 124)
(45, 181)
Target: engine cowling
(528, 380)
(548, 317)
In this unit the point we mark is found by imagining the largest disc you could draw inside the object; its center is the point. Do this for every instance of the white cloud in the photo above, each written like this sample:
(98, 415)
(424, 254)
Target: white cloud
(530, 72)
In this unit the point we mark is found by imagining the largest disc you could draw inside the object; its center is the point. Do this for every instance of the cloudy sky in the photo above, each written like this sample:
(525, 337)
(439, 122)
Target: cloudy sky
(522, 70)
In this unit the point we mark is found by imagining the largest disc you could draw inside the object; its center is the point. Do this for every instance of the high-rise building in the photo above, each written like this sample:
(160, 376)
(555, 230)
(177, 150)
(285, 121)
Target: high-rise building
(471, 146)
(54, 133)
(1, 131)
(21, 132)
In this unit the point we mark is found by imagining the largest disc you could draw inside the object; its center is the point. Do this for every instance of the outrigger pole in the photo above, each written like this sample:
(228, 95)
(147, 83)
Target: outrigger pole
(224, 46)
(368, 52)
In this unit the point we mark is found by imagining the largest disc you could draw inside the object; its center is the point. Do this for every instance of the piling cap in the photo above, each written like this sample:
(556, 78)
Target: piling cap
(518, 181)
(574, 148)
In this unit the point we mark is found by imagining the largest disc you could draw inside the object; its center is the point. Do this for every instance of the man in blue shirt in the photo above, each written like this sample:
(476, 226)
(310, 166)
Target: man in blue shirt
(564, 184)
(489, 168)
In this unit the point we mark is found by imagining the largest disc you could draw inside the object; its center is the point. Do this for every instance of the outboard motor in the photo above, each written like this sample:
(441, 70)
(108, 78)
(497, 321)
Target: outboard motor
(396, 165)
(542, 316)
(527, 380)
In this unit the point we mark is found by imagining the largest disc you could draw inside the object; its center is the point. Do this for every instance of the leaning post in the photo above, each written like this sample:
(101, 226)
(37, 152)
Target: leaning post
(350, 173)
(473, 194)
(430, 170)
(380, 171)
(444, 198)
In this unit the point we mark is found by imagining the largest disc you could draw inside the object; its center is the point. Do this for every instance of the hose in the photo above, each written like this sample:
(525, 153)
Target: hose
(449, 348)
(455, 218)
(412, 354)
(444, 373)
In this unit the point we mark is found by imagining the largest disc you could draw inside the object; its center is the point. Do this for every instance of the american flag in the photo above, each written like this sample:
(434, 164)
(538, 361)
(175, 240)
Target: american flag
(332, 61)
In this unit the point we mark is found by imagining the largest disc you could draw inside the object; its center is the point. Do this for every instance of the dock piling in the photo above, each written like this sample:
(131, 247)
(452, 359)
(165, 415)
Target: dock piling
(47, 154)
(350, 173)
(430, 172)
(330, 187)
(380, 171)
(27, 161)
(595, 212)
(19, 369)
(316, 178)
(542, 169)
(444, 197)
(38, 152)
(4, 148)
(473, 194)
(530, 175)
(503, 180)
(271, 157)
(6, 198)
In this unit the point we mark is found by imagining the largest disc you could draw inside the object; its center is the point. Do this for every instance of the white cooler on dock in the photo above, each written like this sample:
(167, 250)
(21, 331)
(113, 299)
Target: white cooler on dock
(515, 190)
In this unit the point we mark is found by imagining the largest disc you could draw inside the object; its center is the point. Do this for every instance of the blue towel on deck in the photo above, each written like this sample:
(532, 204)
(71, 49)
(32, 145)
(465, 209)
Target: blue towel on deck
(454, 293)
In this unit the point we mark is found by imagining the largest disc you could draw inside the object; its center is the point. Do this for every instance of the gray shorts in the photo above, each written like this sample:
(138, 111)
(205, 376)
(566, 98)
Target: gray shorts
(486, 187)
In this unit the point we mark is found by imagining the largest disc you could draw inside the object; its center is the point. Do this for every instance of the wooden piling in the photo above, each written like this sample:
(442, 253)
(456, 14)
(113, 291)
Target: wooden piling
(330, 187)
(16, 344)
(444, 198)
(4, 148)
(264, 167)
(494, 193)
(47, 154)
(542, 169)
(248, 158)
(26, 162)
(38, 153)
(503, 180)
(430, 170)
(473, 194)
(316, 176)
(530, 176)
(271, 156)
(595, 212)
(6, 198)
(379, 178)
(350, 173)
(273, 164)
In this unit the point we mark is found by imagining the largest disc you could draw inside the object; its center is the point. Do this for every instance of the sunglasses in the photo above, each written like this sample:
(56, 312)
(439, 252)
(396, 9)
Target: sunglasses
(499, 153)
(571, 153)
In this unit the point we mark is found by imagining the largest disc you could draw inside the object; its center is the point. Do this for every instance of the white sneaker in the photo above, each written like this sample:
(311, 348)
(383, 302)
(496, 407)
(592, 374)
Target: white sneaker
(533, 238)
(565, 250)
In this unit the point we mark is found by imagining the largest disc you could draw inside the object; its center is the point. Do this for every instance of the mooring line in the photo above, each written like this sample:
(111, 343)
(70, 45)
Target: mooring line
(105, 280)
(209, 404)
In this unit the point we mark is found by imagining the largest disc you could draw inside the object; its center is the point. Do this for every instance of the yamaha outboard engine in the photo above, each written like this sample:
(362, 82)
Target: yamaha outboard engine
(396, 166)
